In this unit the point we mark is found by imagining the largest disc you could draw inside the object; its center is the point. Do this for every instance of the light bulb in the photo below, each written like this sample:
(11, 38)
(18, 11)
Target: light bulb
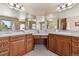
(58, 8)
(69, 4)
(63, 6)
(22, 8)
(17, 5)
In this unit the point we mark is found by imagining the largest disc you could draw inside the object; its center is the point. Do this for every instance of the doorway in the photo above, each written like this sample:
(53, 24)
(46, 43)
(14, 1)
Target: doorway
(62, 24)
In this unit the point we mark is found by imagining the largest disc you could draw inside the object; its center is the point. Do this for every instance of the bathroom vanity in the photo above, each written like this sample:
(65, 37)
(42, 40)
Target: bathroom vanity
(40, 39)
(20, 43)
(15, 44)
(64, 44)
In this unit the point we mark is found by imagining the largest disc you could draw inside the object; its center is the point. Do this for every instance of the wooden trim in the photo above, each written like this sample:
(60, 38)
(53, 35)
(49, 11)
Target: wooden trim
(1, 16)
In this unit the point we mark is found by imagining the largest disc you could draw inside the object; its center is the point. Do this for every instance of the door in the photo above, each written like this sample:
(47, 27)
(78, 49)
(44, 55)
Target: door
(63, 24)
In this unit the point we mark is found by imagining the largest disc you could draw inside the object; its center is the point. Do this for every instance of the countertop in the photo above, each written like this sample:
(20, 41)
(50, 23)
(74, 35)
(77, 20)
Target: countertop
(59, 32)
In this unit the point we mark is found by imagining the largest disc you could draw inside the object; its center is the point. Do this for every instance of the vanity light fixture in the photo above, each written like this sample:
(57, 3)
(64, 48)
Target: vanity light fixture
(64, 6)
(69, 4)
(16, 6)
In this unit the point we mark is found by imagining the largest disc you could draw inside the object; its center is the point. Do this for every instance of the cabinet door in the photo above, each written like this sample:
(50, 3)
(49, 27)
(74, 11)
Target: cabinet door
(29, 43)
(63, 45)
(51, 43)
(75, 46)
(17, 48)
(4, 46)
(59, 46)
(66, 47)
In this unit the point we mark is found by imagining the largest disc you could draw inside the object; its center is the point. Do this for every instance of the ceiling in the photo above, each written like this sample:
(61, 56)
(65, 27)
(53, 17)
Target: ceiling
(40, 9)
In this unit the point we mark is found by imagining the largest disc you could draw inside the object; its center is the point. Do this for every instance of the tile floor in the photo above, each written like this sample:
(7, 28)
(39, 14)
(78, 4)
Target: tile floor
(40, 50)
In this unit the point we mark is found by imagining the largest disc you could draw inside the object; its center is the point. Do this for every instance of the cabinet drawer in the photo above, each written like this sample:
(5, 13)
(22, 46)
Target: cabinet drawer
(29, 42)
(29, 39)
(75, 54)
(4, 38)
(75, 50)
(4, 43)
(18, 37)
(29, 36)
(75, 44)
(6, 53)
(36, 36)
(44, 36)
(51, 38)
(75, 39)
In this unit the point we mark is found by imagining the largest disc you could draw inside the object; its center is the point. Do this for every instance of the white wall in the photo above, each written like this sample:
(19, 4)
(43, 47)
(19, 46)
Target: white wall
(21, 16)
(72, 16)
(6, 11)
(69, 12)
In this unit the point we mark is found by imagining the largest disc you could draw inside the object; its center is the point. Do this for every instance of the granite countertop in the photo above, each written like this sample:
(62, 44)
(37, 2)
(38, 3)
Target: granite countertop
(67, 33)
(11, 34)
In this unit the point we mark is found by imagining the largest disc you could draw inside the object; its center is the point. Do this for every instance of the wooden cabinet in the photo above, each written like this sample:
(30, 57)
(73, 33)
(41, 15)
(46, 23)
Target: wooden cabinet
(29, 42)
(4, 46)
(40, 39)
(60, 44)
(63, 45)
(75, 46)
(51, 42)
(17, 45)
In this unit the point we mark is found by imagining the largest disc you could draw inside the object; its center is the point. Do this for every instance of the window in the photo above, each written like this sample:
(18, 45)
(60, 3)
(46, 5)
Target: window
(22, 26)
(5, 25)
(33, 26)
